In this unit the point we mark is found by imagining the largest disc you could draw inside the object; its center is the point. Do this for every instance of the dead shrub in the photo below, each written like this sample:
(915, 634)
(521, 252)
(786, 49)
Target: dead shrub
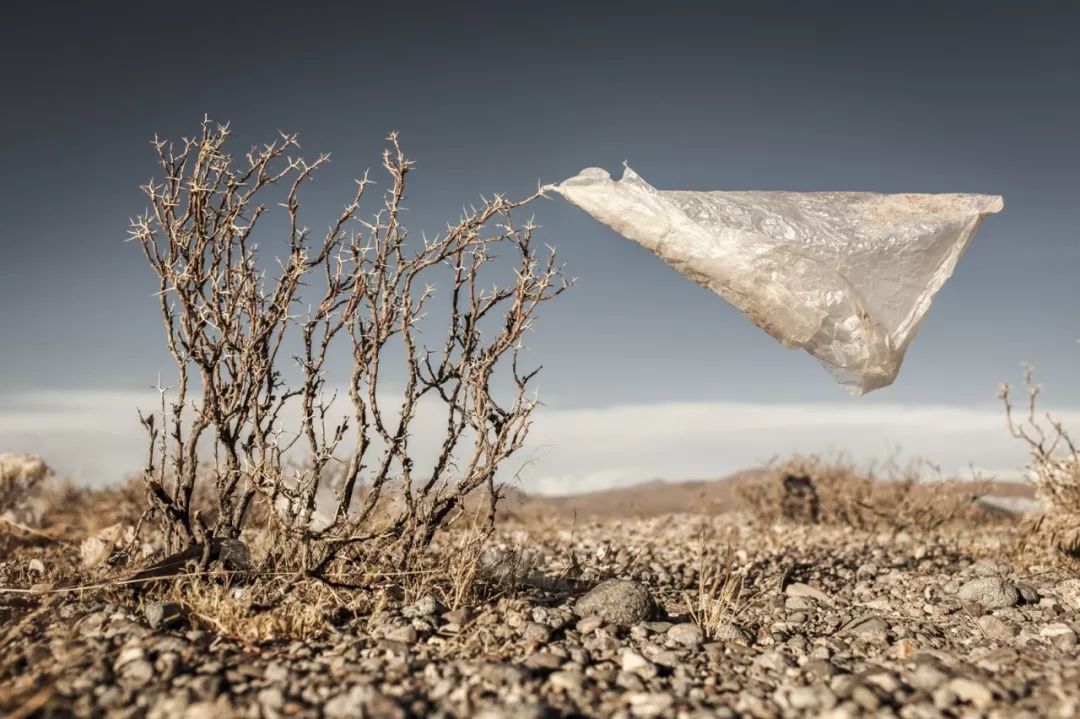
(1053, 467)
(342, 479)
(813, 489)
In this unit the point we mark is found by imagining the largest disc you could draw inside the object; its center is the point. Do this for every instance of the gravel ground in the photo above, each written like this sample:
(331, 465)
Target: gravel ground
(830, 621)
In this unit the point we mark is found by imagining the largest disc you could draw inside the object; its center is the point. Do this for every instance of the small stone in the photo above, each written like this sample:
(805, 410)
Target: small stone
(1056, 629)
(588, 625)
(235, 555)
(927, 677)
(543, 660)
(996, 628)
(905, 648)
(617, 601)
(162, 616)
(866, 697)
(649, 705)
(971, 691)
(567, 681)
(688, 635)
(427, 606)
(990, 592)
(803, 698)
(271, 700)
(536, 632)
(1028, 593)
(634, 663)
(349, 703)
(729, 632)
(821, 667)
(1069, 590)
(874, 629)
(798, 589)
(137, 673)
(405, 635)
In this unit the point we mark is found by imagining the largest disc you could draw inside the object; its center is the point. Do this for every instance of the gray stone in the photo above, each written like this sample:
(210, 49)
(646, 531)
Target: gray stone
(349, 703)
(536, 632)
(874, 629)
(1069, 590)
(425, 607)
(971, 691)
(164, 615)
(996, 628)
(688, 635)
(990, 592)
(617, 601)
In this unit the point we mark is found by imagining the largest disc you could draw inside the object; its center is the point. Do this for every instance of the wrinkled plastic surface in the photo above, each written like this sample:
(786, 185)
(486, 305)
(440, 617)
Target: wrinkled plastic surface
(847, 276)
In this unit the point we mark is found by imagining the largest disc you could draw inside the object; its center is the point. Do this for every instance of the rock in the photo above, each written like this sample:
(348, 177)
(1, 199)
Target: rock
(798, 589)
(649, 704)
(543, 660)
(425, 607)
(349, 703)
(617, 601)
(971, 691)
(634, 663)
(874, 629)
(235, 555)
(688, 635)
(990, 592)
(996, 628)
(536, 632)
(567, 681)
(405, 635)
(1028, 593)
(728, 632)
(588, 625)
(271, 700)
(162, 616)
(1069, 590)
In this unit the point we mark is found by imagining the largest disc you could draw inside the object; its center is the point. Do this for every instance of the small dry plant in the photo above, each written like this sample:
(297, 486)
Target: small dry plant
(1054, 466)
(416, 324)
(718, 598)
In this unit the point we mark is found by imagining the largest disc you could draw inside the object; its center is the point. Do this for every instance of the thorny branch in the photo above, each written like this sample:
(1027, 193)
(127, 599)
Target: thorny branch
(335, 481)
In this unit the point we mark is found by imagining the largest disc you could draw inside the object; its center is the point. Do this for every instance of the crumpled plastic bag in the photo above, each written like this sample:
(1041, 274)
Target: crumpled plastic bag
(847, 276)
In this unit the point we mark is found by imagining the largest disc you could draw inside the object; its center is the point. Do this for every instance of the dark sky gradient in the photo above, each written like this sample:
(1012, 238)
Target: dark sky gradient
(921, 97)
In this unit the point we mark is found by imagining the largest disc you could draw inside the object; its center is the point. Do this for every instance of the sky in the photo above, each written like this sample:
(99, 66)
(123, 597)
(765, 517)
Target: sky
(645, 374)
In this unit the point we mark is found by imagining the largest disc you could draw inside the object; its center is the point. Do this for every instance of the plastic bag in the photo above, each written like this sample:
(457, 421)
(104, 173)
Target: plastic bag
(847, 276)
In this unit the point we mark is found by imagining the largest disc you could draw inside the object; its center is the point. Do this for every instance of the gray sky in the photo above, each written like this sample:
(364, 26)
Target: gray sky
(913, 97)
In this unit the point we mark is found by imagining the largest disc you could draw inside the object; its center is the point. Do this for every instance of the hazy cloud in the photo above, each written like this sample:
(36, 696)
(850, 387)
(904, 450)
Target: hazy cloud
(95, 437)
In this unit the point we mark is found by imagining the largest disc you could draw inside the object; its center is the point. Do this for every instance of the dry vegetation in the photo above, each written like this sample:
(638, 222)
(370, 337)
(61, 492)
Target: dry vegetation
(815, 489)
(1054, 468)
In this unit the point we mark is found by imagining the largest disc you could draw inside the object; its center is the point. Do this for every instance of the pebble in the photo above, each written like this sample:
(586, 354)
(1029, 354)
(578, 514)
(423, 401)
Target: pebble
(971, 691)
(996, 628)
(687, 635)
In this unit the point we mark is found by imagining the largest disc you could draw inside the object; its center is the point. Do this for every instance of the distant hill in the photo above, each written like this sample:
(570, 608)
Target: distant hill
(708, 496)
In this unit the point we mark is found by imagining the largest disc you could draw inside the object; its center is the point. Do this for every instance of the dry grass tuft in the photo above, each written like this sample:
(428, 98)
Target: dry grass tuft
(718, 599)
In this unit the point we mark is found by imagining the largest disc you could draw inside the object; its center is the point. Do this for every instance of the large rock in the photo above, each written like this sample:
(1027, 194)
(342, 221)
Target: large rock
(990, 592)
(617, 601)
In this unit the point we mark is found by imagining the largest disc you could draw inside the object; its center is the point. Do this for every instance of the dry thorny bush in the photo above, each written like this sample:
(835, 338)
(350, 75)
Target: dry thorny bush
(836, 491)
(340, 485)
(1054, 468)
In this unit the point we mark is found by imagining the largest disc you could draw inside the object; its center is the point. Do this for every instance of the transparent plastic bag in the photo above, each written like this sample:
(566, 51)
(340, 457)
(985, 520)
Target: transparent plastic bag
(847, 276)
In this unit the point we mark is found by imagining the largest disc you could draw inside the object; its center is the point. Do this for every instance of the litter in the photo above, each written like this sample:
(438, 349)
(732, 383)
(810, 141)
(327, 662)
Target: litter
(847, 276)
